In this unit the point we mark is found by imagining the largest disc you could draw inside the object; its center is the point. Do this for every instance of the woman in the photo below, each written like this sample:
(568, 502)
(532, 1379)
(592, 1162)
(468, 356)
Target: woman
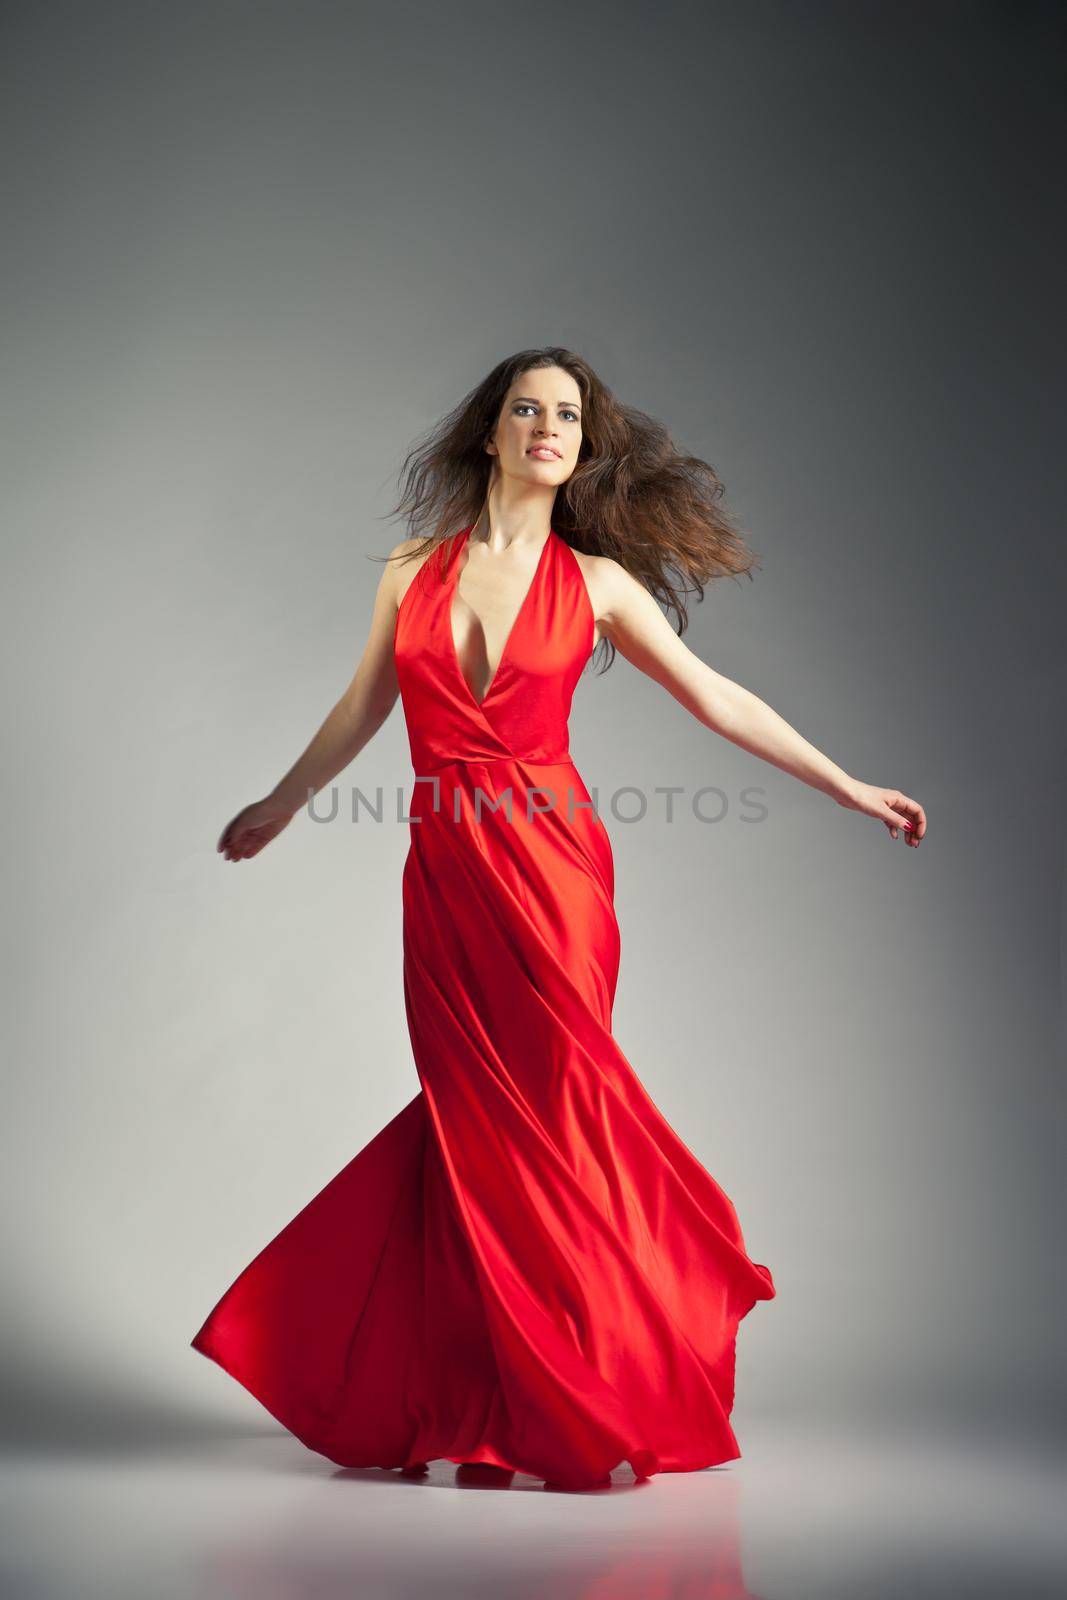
(526, 1269)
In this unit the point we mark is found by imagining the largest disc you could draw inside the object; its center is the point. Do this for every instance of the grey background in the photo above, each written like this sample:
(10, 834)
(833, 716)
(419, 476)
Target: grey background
(252, 251)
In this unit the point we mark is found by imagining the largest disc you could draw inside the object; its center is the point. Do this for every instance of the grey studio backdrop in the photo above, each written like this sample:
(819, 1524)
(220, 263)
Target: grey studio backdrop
(253, 251)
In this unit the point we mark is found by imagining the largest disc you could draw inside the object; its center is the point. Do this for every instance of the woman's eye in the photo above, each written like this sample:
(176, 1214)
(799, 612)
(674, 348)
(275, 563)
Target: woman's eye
(522, 406)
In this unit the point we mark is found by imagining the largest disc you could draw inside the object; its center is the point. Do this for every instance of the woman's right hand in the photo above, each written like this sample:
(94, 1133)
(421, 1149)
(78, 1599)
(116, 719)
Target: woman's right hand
(253, 828)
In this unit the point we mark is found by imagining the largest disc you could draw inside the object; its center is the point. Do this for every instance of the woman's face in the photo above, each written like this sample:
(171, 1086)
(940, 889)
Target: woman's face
(539, 431)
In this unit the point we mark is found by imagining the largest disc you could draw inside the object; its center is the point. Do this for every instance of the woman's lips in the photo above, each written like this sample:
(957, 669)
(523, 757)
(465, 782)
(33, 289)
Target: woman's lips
(545, 452)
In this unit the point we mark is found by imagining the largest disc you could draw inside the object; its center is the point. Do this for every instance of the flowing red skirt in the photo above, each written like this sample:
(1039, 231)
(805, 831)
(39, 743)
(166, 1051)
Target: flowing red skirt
(526, 1266)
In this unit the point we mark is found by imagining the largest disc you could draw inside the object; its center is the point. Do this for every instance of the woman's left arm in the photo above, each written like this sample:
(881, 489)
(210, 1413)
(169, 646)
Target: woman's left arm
(630, 617)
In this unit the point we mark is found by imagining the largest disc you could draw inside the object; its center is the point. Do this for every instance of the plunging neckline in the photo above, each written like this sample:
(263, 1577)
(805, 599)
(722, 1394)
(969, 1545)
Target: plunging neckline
(453, 590)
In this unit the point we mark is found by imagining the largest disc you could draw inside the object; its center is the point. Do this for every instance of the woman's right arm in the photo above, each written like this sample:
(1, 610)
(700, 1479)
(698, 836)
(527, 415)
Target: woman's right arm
(351, 724)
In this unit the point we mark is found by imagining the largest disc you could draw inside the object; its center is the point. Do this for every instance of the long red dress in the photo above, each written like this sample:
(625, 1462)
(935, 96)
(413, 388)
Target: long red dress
(526, 1266)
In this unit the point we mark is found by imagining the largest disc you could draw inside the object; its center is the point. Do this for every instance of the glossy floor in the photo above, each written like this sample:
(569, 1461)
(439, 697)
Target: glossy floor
(821, 1515)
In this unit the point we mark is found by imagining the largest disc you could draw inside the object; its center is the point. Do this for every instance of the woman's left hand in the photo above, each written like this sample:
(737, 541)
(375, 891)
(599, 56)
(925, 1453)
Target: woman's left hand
(899, 813)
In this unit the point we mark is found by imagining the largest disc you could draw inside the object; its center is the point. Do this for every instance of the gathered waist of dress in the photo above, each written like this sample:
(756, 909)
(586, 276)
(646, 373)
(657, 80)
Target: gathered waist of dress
(490, 763)
(468, 788)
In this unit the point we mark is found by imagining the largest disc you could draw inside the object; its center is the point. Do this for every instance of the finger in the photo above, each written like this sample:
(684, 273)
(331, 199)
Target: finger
(915, 826)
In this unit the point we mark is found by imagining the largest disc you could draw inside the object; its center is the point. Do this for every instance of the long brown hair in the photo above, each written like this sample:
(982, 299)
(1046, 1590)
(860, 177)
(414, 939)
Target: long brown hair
(632, 496)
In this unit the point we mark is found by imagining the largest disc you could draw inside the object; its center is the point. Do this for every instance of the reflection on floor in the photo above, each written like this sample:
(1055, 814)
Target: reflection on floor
(258, 1517)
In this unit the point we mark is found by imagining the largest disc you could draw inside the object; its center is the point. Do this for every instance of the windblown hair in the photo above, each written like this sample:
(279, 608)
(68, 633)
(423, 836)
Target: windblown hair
(632, 496)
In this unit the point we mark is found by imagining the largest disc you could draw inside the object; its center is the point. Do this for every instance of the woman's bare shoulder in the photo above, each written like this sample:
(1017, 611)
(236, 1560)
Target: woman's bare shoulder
(604, 579)
(402, 568)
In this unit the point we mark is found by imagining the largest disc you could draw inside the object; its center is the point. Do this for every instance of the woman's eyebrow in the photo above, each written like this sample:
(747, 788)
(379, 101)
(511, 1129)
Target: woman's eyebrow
(529, 400)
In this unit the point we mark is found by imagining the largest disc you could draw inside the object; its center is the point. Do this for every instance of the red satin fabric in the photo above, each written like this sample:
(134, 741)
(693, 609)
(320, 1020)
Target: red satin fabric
(526, 1266)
